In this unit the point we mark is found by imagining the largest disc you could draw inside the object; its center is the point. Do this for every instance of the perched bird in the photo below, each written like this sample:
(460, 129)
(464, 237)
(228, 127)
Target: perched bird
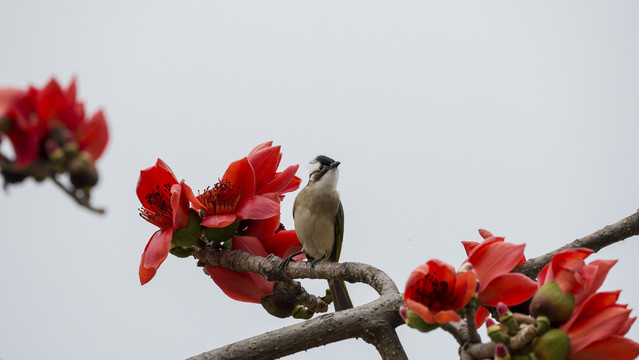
(319, 221)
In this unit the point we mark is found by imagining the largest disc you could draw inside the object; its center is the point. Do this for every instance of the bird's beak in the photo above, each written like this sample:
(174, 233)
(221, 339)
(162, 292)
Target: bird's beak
(335, 164)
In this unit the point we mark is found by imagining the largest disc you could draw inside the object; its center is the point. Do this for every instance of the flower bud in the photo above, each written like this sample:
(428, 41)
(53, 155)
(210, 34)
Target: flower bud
(281, 303)
(501, 352)
(554, 344)
(551, 302)
(415, 321)
(506, 318)
(188, 236)
(82, 172)
(495, 332)
(54, 151)
(220, 235)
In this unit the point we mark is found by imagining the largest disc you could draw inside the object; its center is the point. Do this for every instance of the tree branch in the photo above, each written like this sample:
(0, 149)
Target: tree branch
(596, 241)
(41, 170)
(374, 322)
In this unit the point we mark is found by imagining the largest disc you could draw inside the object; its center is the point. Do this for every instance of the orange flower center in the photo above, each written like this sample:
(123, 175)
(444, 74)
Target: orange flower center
(221, 199)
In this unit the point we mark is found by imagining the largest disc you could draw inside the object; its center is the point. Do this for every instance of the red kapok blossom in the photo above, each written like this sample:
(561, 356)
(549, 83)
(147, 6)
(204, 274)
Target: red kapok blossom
(597, 327)
(435, 291)
(264, 160)
(35, 113)
(249, 189)
(164, 205)
(492, 260)
(571, 273)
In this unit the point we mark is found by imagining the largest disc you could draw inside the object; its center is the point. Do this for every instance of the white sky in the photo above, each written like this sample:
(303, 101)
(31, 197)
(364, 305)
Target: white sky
(517, 118)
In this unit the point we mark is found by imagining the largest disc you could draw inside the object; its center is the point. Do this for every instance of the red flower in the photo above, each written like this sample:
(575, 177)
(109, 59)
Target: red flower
(597, 327)
(165, 206)
(264, 160)
(492, 260)
(571, 273)
(435, 291)
(249, 189)
(250, 287)
(36, 112)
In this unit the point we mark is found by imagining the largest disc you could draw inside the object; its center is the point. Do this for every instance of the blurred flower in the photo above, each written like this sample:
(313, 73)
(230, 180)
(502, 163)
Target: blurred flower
(435, 291)
(492, 261)
(165, 206)
(597, 327)
(51, 113)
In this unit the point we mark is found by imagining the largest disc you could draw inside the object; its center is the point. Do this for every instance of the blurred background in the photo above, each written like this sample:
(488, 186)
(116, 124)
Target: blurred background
(447, 118)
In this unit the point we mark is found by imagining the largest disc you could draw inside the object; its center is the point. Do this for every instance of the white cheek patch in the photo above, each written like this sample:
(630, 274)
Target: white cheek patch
(313, 166)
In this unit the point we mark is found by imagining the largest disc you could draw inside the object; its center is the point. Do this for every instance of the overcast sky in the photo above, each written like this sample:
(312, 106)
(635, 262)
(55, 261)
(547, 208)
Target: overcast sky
(447, 117)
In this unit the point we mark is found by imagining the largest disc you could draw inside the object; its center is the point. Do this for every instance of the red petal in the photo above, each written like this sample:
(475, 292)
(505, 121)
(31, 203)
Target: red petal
(594, 283)
(282, 244)
(218, 221)
(509, 288)
(292, 186)
(263, 228)
(51, 100)
(598, 318)
(157, 175)
(493, 258)
(264, 163)
(146, 274)
(247, 287)
(558, 260)
(469, 246)
(249, 244)
(190, 196)
(157, 249)
(257, 207)
(240, 175)
(465, 286)
(485, 233)
(7, 97)
(481, 315)
(180, 206)
(614, 347)
(280, 180)
(94, 135)
(430, 317)
(260, 147)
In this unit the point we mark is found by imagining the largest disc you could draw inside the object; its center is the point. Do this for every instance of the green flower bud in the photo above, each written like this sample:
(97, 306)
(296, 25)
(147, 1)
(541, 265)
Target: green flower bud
(188, 236)
(554, 344)
(551, 302)
(415, 321)
(495, 332)
(220, 235)
(507, 319)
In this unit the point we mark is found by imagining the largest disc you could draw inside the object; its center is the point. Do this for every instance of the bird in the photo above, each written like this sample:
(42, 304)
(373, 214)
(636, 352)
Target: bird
(318, 215)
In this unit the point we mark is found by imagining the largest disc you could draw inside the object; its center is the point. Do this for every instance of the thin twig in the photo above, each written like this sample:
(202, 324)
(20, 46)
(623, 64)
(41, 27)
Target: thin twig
(81, 201)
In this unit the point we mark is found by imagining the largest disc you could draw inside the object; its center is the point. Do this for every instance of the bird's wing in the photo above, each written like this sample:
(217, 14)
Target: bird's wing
(339, 233)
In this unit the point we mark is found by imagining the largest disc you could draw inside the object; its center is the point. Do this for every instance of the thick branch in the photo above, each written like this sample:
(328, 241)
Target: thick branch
(368, 321)
(374, 322)
(610, 234)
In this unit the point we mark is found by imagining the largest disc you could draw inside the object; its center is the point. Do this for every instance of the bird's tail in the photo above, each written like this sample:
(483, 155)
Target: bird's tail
(341, 300)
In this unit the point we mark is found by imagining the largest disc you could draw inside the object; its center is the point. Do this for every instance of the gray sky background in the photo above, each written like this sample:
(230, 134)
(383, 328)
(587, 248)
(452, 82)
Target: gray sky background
(447, 118)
